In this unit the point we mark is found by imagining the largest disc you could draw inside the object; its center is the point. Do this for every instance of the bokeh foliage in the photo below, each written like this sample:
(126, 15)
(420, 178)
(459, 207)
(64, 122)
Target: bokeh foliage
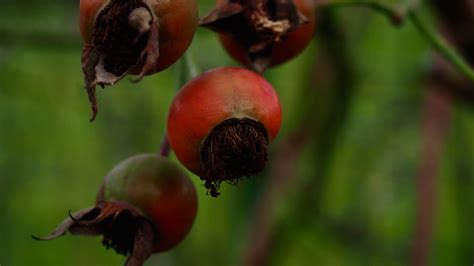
(352, 199)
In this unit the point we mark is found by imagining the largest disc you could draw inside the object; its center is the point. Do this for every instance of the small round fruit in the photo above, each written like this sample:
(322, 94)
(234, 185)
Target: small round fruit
(146, 204)
(137, 37)
(161, 192)
(177, 22)
(221, 122)
(267, 40)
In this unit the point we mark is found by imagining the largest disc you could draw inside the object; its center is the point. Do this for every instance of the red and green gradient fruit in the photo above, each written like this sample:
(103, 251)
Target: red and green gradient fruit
(221, 122)
(146, 204)
(138, 37)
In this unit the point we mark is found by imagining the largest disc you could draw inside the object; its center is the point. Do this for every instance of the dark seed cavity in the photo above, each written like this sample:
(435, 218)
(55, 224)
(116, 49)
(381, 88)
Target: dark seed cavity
(121, 43)
(119, 231)
(256, 25)
(124, 40)
(234, 149)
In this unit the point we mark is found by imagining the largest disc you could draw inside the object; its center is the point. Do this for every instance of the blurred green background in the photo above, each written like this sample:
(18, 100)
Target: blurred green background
(340, 188)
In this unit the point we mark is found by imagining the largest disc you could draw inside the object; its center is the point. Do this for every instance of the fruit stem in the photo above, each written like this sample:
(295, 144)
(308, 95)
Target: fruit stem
(187, 69)
(165, 148)
(398, 16)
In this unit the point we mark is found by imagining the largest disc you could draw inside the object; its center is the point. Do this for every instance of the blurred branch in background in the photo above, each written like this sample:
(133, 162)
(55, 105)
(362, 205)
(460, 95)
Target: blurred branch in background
(457, 20)
(329, 89)
(186, 70)
(435, 126)
(457, 23)
(443, 47)
(333, 86)
(284, 165)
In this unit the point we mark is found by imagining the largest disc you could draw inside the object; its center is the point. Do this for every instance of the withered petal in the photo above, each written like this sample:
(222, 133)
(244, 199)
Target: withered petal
(286, 9)
(118, 48)
(151, 53)
(71, 223)
(221, 12)
(90, 58)
(143, 244)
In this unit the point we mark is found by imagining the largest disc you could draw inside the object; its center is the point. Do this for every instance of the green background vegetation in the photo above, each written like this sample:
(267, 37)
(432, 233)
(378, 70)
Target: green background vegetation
(349, 149)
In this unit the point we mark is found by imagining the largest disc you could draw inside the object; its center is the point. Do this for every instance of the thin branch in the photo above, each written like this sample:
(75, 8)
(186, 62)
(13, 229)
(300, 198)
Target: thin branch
(398, 16)
(439, 43)
(192, 70)
(435, 125)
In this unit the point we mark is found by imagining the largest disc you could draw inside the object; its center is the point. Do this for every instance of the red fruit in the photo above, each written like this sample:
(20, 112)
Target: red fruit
(146, 204)
(268, 36)
(221, 122)
(132, 37)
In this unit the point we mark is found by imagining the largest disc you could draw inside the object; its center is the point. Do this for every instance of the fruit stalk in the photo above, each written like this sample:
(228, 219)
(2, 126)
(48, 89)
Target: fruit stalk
(187, 69)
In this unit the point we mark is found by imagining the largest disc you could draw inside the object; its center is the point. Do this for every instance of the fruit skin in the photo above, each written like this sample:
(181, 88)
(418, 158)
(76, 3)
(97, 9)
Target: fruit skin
(291, 46)
(158, 189)
(211, 98)
(177, 24)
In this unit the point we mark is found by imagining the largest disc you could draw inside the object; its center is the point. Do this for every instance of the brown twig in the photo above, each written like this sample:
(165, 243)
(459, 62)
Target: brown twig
(444, 83)
(435, 124)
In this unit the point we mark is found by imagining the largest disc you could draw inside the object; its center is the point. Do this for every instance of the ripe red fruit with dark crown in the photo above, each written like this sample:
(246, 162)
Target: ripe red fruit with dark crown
(138, 37)
(269, 32)
(146, 204)
(221, 122)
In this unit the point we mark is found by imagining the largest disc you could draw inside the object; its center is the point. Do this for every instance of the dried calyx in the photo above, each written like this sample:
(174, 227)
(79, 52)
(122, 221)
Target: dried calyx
(257, 25)
(234, 149)
(124, 41)
(123, 228)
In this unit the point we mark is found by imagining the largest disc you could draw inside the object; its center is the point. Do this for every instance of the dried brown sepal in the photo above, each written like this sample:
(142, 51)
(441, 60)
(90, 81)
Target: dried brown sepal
(256, 25)
(234, 149)
(141, 247)
(70, 222)
(124, 41)
(122, 228)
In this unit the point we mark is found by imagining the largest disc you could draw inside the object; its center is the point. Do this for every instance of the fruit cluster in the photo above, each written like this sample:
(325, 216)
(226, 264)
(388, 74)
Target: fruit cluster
(220, 124)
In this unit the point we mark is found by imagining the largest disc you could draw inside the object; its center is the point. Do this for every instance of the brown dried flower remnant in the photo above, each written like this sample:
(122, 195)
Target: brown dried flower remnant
(256, 25)
(124, 41)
